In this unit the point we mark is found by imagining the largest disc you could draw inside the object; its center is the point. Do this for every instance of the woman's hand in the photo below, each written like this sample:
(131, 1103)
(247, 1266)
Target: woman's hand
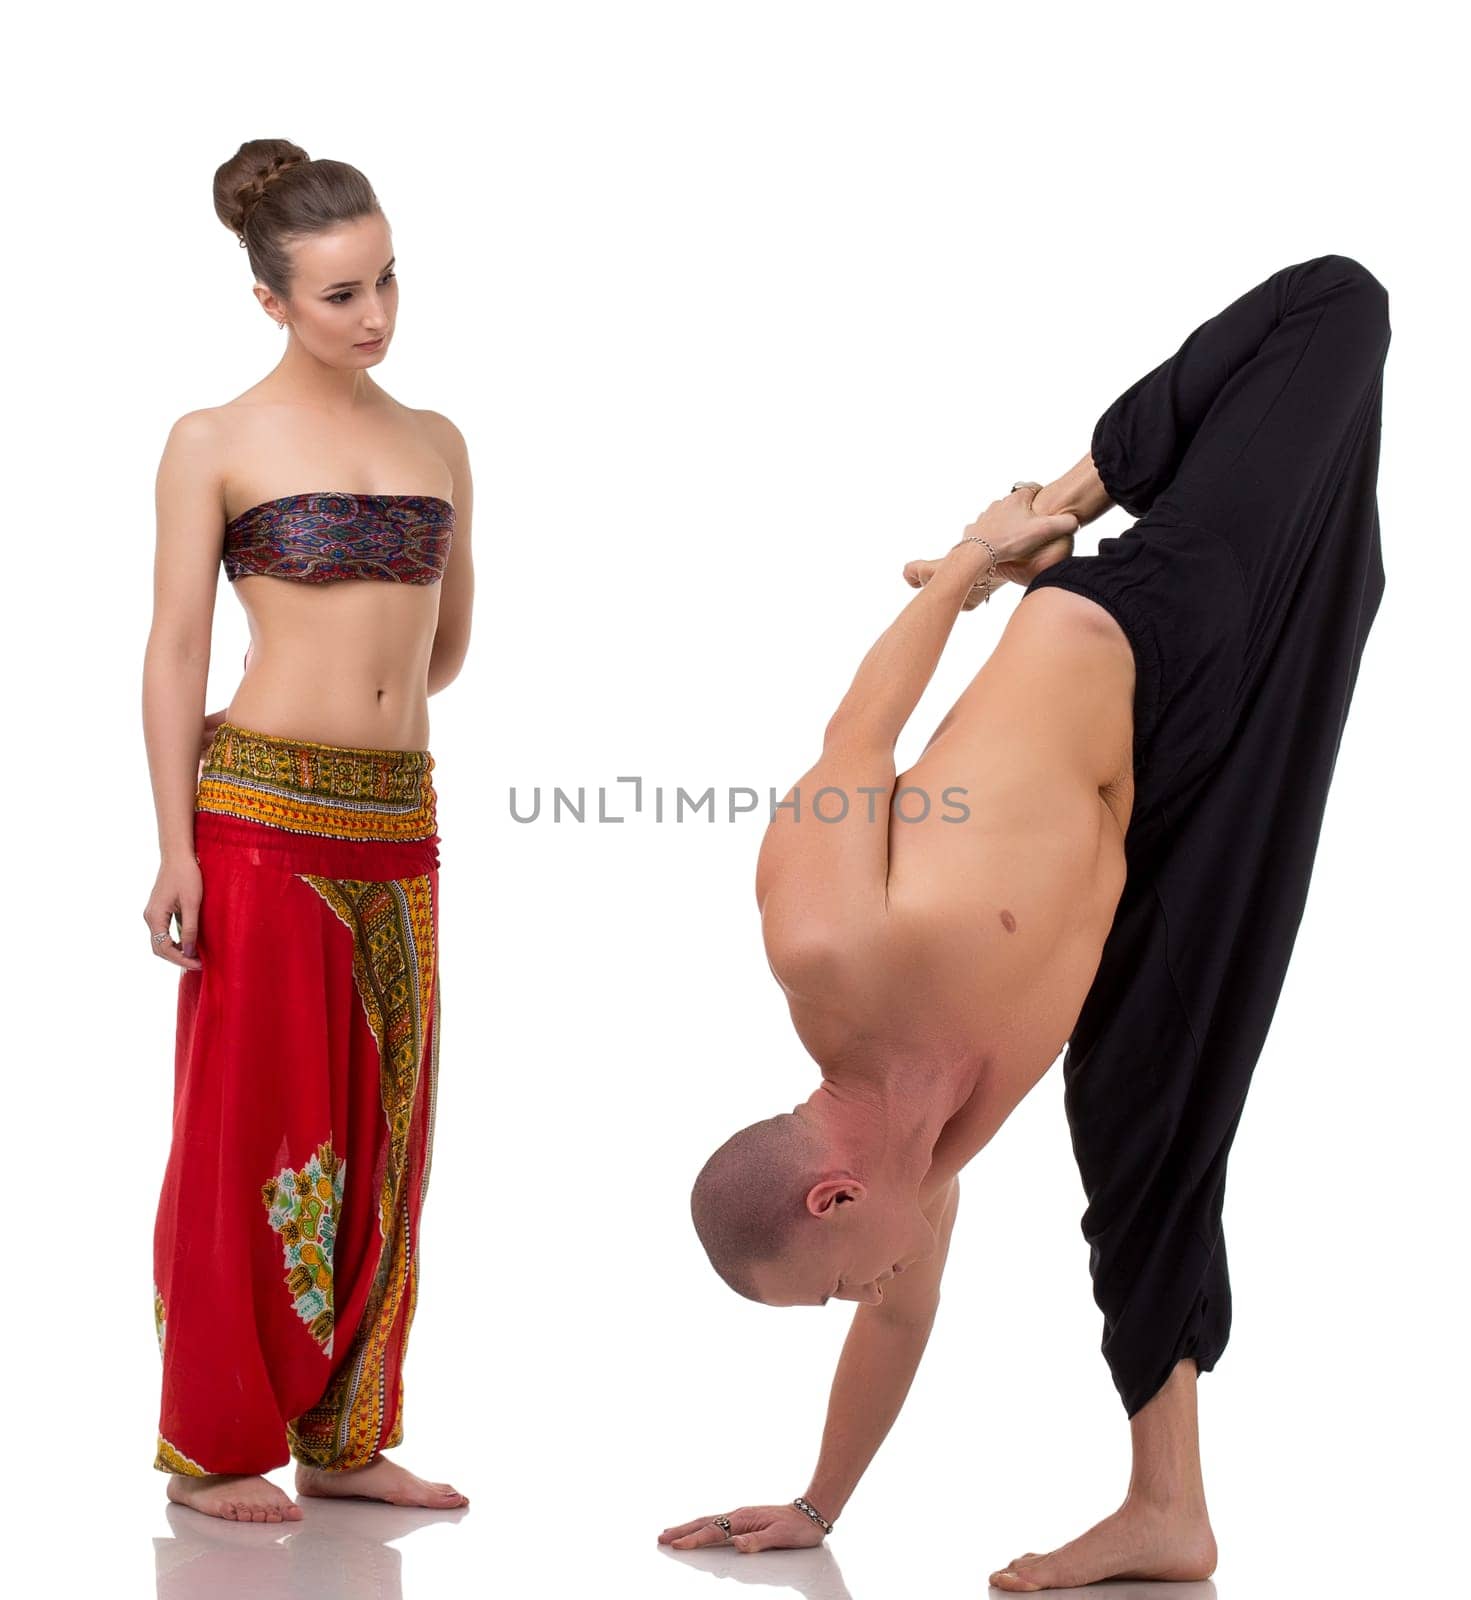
(752, 1528)
(212, 721)
(1025, 544)
(178, 889)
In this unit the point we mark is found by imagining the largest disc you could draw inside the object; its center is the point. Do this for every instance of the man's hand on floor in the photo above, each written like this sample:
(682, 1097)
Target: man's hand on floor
(752, 1528)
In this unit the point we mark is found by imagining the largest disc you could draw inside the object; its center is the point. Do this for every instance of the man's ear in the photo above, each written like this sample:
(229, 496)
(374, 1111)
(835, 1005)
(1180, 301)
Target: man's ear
(825, 1197)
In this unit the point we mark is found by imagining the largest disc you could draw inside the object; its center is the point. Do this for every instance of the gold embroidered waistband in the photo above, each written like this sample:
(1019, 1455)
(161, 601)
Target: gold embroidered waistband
(335, 791)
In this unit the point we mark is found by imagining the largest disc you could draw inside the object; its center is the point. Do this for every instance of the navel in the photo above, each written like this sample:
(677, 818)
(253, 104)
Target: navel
(1008, 922)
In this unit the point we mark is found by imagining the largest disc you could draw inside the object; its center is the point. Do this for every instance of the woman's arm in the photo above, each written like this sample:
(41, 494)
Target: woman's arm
(457, 587)
(186, 562)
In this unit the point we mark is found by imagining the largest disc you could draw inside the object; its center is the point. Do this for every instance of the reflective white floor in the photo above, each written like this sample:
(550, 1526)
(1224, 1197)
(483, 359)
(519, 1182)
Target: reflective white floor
(335, 1550)
(358, 1552)
(135, 1545)
(364, 1552)
(351, 1553)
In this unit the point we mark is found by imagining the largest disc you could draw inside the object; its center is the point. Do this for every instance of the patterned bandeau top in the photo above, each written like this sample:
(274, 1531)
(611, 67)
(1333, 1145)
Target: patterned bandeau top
(325, 536)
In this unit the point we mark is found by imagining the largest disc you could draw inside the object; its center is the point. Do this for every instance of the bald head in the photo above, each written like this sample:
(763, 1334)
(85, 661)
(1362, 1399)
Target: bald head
(751, 1195)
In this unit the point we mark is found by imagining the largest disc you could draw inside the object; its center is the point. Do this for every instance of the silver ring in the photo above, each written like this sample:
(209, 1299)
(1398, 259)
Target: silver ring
(159, 938)
(723, 1523)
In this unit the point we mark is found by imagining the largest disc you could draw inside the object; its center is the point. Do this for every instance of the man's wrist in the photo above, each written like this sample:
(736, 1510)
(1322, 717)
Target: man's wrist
(972, 561)
(813, 1515)
(825, 1498)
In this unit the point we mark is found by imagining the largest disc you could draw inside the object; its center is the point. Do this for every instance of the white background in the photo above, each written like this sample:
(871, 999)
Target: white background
(740, 307)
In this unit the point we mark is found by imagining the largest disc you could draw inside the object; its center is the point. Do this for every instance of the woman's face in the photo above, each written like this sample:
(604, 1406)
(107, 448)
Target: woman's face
(344, 295)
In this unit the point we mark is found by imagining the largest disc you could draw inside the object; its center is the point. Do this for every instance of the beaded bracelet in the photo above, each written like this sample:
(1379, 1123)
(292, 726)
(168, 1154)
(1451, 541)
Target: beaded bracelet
(809, 1510)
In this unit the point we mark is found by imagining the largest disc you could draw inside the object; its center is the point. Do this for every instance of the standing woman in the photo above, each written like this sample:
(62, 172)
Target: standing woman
(300, 860)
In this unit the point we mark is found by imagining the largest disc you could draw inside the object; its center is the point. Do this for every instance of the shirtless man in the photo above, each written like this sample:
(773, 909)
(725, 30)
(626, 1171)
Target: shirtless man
(935, 968)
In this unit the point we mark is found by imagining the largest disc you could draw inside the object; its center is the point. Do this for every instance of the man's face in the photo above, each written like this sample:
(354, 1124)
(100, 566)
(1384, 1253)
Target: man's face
(847, 1252)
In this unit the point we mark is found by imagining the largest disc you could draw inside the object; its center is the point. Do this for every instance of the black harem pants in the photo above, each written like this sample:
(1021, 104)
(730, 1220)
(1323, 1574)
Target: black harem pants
(1246, 588)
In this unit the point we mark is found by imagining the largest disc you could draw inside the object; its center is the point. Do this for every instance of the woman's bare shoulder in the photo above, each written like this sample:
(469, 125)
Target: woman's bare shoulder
(446, 437)
(215, 426)
(197, 443)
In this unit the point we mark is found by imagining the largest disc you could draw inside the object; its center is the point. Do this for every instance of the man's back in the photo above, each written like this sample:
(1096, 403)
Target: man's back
(1006, 862)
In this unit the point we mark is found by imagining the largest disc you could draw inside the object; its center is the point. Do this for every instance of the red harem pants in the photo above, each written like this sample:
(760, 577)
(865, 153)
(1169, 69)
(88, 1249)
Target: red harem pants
(286, 1243)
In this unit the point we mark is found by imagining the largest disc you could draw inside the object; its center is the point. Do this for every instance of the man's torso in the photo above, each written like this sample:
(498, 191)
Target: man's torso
(1006, 864)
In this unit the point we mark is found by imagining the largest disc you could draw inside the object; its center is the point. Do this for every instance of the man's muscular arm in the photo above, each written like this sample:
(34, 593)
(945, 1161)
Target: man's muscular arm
(823, 869)
(816, 883)
(877, 1366)
(880, 1357)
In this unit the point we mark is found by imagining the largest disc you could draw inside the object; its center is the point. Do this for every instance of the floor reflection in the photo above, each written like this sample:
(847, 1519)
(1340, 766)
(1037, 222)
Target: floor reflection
(338, 1551)
(814, 1575)
(1129, 1589)
(811, 1573)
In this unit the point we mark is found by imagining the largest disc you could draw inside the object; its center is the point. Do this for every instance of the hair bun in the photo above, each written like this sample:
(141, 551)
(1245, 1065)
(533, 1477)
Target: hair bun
(316, 194)
(252, 192)
(241, 183)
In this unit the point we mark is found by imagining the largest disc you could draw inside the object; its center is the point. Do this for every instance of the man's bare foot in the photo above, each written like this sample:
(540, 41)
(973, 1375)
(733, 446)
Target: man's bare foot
(1140, 1540)
(381, 1479)
(236, 1497)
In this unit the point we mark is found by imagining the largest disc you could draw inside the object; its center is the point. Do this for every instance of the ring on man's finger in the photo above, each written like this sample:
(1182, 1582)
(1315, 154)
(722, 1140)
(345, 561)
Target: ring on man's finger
(723, 1523)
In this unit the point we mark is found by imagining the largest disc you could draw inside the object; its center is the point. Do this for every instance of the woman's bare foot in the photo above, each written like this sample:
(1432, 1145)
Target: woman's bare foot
(1140, 1540)
(381, 1479)
(236, 1497)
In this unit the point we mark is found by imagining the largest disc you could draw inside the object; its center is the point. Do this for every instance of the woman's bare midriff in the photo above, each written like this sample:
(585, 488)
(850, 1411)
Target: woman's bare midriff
(346, 662)
(339, 663)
